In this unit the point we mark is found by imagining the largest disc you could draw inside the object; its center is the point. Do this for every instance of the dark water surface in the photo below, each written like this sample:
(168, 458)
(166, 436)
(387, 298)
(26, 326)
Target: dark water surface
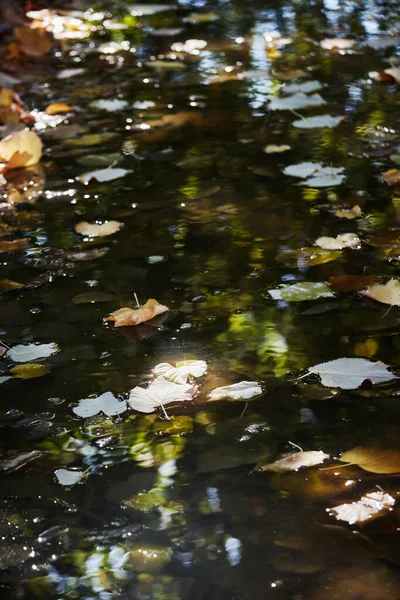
(172, 509)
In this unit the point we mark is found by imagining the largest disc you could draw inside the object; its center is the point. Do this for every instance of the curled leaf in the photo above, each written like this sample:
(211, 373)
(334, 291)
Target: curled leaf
(182, 370)
(124, 317)
(244, 390)
(21, 149)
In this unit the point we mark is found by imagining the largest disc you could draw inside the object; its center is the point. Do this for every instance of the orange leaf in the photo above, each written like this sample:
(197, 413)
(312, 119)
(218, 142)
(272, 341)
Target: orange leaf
(33, 42)
(125, 317)
(58, 107)
(392, 176)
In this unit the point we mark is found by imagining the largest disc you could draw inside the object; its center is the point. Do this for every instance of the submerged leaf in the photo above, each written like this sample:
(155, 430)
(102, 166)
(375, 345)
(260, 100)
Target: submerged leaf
(370, 506)
(124, 317)
(106, 403)
(160, 392)
(295, 461)
(182, 371)
(244, 390)
(298, 292)
(350, 373)
(387, 293)
(383, 461)
(308, 257)
(95, 230)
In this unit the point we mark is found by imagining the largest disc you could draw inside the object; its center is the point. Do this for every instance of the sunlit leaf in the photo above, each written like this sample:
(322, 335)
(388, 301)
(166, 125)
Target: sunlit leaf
(102, 175)
(392, 176)
(106, 403)
(296, 102)
(298, 292)
(190, 46)
(29, 371)
(159, 393)
(95, 230)
(348, 213)
(387, 293)
(140, 10)
(370, 506)
(68, 477)
(337, 43)
(57, 108)
(69, 73)
(305, 87)
(201, 17)
(295, 461)
(244, 390)
(21, 149)
(350, 373)
(319, 121)
(273, 149)
(111, 105)
(22, 353)
(344, 240)
(308, 257)
(125, 317)
(182, 371)
(374, 460)
(303, 170)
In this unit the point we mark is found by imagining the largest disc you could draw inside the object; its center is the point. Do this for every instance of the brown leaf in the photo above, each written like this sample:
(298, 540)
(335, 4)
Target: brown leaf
(392, 176)
(58, 108)
(33, 42)
(374, 460)
(125, 317)
(352, 283)
(348, 213)
(7, 285)
(19, 244)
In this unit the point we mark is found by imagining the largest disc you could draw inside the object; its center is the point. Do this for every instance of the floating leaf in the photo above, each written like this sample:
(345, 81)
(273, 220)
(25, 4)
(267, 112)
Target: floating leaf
(182, 371)
(30, 352)
(141, 10)
(384, 461)
(370, 506)
(166, 64)
(303, 170)
(319, 121)
(345, 240)
(350, 373)
(91, 139)
(351, 283)
(273, 149)
(101, 175)
(392, 176)
(387, 293)
(125, 317)
(29, 371)
(68, 73)
(159, 393)
(190, 46)
(298, 292)
(201, 17)
(316, 174)
(244, 390)
(296, 461)
(308, 257)
(21, 149)
(68, 477)
(306, 87)
(112, 105)
(106, 403)
(391, 75)
(58, 108)
(337, 43)
(13, 245)
(95, 230)
(296, 102)
(348, 213)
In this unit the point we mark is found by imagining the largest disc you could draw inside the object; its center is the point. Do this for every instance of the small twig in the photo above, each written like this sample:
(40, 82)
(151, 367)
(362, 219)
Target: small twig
(5, 345)
(244, 410)
(165, 412)
(296, 114)
(337, 467)
(296, 446)
(136, 300)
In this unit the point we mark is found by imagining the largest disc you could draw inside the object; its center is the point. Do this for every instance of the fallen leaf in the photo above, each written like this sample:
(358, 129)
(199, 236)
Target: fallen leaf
(14, 245)
(387, 293)
(106, 403)
(23, 354)
(392, 176)
(348, 213)
(95, 230)
(68, 73)
(373, 460)
(298, 292)
(316, 174)
(101, 175)
(191, 46)
(201, 17)
(112, 105)
(303, 170)
(295, 461)
(21, 149)
(182, 371)
(29, 371)
(337, 44)
(140, 10)
(58, 108)
(273, 149)
(159, 393)
(370, 506)
(33, 42)
(350, 373)
(15, 463)
(296, 102)
(319, 121)
(352, 283)
(68, 477)
(244, 390)
(7, 285)
(308, 257)
(99, 160)
(125, 317)
(391, 75)
(345, 240)
(305, 87)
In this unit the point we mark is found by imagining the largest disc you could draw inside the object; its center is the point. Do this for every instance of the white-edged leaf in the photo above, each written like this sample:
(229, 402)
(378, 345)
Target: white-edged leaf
(370, 506)
(244, 390)
(306, 87)
(182, 371)
(97, 230)
(295, 461)
(337, 43)
(349, 373)
(296, 102)
(159, 393)
(112, 105)
(344, 240)
(106, 403)
(101, 175)
(68, 477)
(298, 292)
(25, 353)
(274, 149)
(318, 121)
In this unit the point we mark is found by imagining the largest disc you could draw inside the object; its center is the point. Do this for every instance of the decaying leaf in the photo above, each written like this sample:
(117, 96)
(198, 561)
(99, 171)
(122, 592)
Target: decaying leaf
(97, 230)
(392, 176)
(107, 403)
(20, 149)
(383, 461)
(370, 506)
(349, 373)
(295, 461)
(351, 283)
(13, 245)
(244, 390)
(124, 317)
(182, 371)
(159, 393)
(299, 292)
(387, 293)
(345, 240)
